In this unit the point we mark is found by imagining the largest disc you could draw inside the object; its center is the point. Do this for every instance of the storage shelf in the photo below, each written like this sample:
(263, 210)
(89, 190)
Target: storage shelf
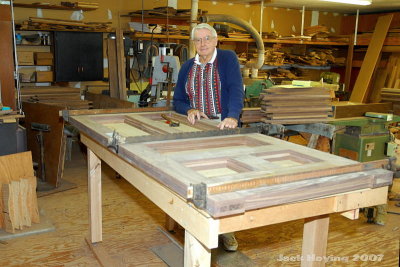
(55, 7)
(31, 45)
(246, 40)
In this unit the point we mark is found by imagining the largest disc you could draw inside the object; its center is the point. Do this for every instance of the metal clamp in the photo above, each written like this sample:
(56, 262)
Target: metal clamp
(113, 143)
(200, 195)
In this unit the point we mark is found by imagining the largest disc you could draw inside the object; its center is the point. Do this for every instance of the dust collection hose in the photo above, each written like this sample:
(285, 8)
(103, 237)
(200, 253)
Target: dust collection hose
(248, 27)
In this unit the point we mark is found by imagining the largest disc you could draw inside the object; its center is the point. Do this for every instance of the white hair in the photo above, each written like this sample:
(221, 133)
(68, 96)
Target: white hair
(203, 26)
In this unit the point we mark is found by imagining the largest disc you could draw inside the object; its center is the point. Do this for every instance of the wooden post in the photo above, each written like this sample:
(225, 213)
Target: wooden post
(94, 187)
(195, 254)
(315, 239)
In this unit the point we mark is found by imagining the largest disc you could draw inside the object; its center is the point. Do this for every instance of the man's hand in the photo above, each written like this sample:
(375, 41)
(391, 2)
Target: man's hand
(194, 114)
(228, 123)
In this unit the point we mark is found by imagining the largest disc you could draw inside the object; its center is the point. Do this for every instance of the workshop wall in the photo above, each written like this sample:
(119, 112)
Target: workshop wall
(284, 21)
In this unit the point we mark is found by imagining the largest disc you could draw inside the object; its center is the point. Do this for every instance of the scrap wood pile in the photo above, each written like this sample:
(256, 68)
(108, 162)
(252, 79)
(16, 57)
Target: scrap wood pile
(299, 54)
(281, 54)
(34, 23)
(18, 200)
(287, 104)
(67, 97)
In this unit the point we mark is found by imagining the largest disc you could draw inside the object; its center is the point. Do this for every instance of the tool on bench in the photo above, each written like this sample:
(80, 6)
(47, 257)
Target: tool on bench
(41, 128)
(113, 144)
(170, 121)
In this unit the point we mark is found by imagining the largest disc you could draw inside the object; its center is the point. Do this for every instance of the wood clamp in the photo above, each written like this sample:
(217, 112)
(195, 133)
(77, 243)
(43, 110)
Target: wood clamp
(113, 143)
(170, 121)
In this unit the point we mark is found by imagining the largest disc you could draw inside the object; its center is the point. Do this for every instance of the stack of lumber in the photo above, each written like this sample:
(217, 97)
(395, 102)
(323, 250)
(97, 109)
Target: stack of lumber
(164, 12)
(87, 5)
(251, 115)
(18, 200)
(240, 35)
(34, 23)
(287, 104)
(67, 97)
(280, 54)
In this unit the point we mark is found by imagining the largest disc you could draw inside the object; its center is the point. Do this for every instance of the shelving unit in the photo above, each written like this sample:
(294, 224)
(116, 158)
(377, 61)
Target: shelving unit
(54, 7)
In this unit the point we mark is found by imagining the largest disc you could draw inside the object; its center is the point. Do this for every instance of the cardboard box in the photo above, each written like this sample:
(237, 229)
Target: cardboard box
(25, 58)
(44, 76)
(44, 58)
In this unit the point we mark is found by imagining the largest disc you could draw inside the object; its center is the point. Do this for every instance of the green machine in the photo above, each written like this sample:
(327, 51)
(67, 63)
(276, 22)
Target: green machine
(364, 138)
(253, 89)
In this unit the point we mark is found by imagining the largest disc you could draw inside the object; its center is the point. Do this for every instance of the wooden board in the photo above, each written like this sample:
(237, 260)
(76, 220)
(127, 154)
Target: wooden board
(345, 109)
(54, 163)
(6, 51)
(360, 90)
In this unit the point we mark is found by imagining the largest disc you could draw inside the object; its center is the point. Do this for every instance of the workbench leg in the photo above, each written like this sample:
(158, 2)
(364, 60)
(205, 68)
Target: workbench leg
(315, 239)
(195, 254)
(94, 187)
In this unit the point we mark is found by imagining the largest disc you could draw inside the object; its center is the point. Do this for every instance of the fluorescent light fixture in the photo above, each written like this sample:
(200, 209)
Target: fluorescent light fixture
(352, 2)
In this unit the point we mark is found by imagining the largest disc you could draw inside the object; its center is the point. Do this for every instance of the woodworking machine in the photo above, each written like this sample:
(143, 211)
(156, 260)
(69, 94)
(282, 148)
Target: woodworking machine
(165, 74)
(364, 138)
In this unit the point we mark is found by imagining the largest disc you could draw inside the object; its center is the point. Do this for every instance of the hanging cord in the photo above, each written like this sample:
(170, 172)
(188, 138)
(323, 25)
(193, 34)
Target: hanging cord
(16, 70)
(167, 22)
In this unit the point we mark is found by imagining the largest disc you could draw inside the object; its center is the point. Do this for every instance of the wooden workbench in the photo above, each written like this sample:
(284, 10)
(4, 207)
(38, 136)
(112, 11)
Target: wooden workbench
(240, 192)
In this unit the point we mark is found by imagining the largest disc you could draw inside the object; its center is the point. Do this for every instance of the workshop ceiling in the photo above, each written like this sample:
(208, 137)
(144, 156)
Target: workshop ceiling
(376, 6)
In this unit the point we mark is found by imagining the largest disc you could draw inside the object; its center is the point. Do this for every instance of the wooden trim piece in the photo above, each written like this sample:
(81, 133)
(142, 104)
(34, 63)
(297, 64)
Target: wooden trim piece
(349, 64)
(315, 240)
(94, 187)
(306, 209)
(102, 256)
(197, 222)
(112, 67)
(195, 254)
(67, 113)
(121, 64)
(360, 90)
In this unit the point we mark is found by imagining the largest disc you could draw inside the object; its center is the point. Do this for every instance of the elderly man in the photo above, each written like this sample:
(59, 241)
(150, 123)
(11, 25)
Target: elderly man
(210, 86)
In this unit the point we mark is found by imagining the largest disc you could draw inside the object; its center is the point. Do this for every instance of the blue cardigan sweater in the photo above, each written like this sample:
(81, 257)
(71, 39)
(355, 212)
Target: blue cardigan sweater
(232, 92)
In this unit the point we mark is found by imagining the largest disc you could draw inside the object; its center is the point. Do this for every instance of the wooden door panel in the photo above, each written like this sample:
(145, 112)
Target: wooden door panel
(129, 126)
(229, 163)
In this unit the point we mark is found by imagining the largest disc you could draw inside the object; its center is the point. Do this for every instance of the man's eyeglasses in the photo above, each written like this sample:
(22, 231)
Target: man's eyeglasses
(205, 40)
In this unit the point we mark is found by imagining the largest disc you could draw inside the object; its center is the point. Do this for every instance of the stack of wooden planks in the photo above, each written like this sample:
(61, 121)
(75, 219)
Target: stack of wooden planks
(18, 200)
(251, 115)
(61, 96)
(34, 23)
(287, 104)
